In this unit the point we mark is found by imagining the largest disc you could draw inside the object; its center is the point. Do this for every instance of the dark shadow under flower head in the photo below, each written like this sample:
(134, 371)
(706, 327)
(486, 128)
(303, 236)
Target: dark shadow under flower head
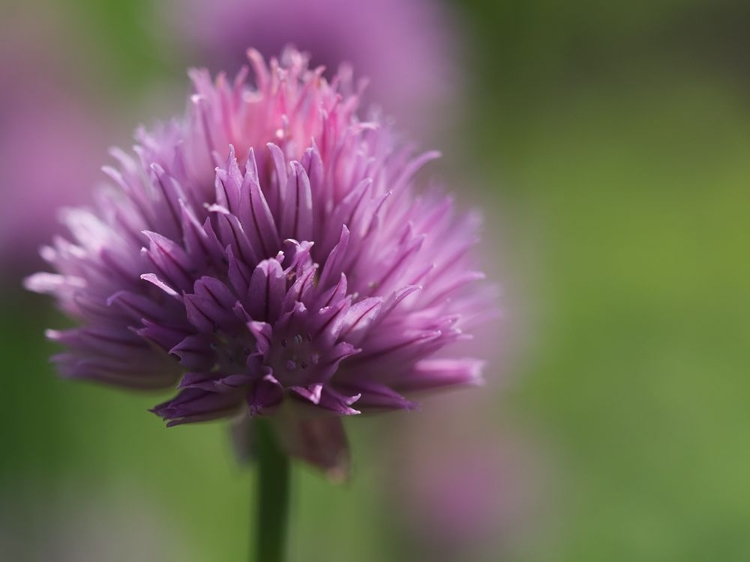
(269, 253)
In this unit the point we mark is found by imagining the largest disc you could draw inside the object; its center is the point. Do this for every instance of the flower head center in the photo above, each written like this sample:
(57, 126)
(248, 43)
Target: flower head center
(294, 359)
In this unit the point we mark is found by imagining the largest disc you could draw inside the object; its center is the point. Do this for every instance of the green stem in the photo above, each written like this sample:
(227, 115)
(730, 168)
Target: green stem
(272, 496)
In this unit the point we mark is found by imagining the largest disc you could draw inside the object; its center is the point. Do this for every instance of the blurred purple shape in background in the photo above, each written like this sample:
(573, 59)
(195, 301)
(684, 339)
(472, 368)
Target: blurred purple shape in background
(51, 144)
(464, 488)
(408, 49)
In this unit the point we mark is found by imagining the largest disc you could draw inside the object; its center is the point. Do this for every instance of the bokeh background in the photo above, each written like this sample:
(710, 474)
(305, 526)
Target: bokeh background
(609, 145)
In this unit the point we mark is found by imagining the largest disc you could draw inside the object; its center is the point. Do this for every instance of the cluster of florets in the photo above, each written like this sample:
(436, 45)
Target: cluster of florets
(270, 255)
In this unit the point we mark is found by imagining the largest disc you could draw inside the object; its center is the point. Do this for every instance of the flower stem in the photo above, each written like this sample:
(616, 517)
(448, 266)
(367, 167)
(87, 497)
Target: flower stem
(272, 496)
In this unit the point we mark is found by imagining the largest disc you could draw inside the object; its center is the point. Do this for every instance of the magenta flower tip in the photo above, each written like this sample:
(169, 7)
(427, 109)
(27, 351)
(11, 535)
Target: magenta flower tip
(271, 254)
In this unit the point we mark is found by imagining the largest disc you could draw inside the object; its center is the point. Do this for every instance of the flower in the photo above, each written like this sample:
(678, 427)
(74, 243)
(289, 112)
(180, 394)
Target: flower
(408, 49)
(269, 251)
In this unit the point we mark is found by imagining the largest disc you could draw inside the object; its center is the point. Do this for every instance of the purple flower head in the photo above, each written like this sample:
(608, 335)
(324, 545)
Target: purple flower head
(406, 48)
(269, 252)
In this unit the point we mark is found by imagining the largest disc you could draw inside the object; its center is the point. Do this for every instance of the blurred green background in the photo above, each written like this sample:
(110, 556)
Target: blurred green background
(611, 146)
